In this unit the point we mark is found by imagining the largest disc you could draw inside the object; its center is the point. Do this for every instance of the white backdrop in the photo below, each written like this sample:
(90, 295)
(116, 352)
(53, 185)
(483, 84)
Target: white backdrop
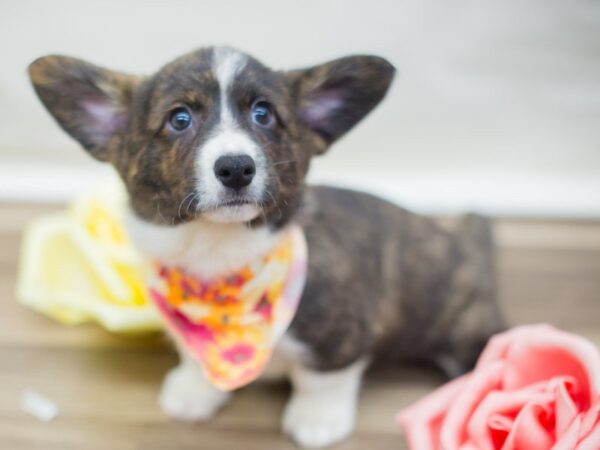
(496, 105)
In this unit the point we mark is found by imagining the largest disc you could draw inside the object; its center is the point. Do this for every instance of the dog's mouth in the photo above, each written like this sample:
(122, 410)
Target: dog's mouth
(237, 209)
(235, 202)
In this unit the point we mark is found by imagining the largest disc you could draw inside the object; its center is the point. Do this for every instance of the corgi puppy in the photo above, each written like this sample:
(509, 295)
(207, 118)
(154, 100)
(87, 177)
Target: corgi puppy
(213, 150)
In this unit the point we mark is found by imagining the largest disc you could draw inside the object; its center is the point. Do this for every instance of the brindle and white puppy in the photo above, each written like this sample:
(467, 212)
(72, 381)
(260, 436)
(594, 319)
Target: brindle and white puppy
(213, 149)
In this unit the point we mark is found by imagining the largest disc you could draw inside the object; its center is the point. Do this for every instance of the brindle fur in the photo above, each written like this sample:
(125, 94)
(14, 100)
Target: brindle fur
(395, 284)
(381, 281)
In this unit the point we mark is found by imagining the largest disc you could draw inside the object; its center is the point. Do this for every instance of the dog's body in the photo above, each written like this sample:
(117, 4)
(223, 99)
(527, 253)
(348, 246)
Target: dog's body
(213, 150)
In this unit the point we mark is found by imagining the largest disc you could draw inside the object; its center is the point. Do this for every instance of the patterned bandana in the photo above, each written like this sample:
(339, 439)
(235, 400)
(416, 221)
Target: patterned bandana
(231, 324)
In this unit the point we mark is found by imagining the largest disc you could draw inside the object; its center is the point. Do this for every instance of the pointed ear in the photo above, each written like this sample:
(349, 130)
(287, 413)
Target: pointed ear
(88, 102)
(335, 96)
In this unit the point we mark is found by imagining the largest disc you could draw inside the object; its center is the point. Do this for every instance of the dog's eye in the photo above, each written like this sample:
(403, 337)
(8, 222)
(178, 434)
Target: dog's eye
(262, 114)
(180, 119)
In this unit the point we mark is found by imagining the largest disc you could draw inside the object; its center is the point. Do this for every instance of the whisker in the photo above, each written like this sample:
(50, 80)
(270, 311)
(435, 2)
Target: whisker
(289, 161)
(274, 202)
(262, 212)
(181, 204)
(160, 213)
(190, 203)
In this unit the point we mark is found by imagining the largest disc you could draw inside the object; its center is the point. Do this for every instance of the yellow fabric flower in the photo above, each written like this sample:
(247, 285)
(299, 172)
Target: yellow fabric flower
(79, 266)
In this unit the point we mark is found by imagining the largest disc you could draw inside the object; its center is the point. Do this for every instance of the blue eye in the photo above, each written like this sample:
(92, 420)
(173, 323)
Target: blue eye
(180, 119)
(262, 114)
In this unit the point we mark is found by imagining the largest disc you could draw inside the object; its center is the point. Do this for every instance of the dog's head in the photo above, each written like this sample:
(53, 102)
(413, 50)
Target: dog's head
(215, 134)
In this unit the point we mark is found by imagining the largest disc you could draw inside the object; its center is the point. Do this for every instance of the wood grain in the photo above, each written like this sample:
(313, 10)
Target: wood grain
(106, 385)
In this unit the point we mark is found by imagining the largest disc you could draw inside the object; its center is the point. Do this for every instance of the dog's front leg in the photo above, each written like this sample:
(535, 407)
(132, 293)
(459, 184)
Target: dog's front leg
(187, 395)
(322, 409)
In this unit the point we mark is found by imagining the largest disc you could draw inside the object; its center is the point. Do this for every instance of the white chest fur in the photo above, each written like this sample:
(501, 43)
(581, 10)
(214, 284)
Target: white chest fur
(204, 249)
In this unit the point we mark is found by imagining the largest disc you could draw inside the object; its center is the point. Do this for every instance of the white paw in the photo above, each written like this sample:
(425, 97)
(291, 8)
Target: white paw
(187, 396)
(318, 420)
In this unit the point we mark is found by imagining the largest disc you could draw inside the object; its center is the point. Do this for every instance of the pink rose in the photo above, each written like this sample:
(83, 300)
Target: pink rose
(534, 387)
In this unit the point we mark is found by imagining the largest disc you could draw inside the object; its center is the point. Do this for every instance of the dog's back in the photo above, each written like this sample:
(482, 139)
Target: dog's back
(386, 282)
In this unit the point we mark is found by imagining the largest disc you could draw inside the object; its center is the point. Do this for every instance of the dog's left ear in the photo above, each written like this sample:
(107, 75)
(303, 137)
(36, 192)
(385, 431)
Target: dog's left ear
(333, 97)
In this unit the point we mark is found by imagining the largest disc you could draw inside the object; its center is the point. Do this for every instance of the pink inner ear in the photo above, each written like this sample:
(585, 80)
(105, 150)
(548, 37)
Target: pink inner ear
(321, 107)
(104, 118)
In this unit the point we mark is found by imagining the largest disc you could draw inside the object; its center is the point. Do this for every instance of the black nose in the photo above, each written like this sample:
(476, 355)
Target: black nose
(235, 171)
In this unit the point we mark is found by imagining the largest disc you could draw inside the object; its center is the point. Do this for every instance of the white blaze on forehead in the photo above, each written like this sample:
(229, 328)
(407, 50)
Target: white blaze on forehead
(226, 64)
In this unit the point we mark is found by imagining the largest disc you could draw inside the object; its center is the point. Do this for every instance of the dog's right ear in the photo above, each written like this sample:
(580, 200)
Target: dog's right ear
(88, 102)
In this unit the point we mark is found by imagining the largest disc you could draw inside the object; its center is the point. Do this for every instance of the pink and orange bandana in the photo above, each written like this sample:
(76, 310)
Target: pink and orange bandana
(231, 324)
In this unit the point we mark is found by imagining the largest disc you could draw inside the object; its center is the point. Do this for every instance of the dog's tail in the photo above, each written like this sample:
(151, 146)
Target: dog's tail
(477, 234)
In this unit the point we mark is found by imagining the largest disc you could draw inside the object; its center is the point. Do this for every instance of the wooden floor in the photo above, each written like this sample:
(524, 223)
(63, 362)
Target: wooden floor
(106, 386)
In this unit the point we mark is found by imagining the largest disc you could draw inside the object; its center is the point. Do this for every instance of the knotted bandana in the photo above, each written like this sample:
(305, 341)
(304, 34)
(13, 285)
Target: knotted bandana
(231, 324)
